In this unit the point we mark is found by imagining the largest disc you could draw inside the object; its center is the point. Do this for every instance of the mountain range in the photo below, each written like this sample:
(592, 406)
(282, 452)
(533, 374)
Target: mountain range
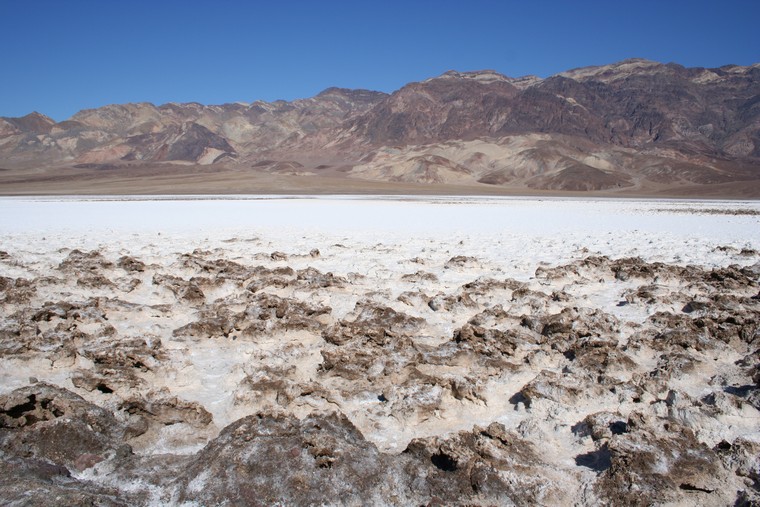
(635, 127)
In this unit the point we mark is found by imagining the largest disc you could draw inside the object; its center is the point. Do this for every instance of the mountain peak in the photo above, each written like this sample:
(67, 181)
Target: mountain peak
(482, 76)
(334, 90)
(613, 71)
(34, 115)
(34, 122)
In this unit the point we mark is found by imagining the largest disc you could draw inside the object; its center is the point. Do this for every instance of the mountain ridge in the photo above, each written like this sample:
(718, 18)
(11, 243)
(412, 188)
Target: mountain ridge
(636, 124)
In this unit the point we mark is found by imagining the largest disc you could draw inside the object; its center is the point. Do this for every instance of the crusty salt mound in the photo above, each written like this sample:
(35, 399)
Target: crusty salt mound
(246, 372)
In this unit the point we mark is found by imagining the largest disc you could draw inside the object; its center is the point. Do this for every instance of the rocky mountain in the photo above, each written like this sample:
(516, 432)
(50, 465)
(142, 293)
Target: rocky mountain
(173, 132)
(635, 125)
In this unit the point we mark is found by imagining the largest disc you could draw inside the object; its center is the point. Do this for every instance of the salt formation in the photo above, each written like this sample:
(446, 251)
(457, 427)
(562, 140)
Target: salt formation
(344, 370)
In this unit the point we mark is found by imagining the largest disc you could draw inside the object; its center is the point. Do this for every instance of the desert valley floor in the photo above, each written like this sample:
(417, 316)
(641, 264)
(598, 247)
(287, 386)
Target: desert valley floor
(368, 350)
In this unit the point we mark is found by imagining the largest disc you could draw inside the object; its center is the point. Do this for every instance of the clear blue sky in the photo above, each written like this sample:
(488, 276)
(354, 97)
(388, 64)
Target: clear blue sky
(58, 57)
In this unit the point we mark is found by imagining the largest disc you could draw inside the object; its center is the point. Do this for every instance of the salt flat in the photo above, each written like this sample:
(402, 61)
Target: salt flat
(413, 317)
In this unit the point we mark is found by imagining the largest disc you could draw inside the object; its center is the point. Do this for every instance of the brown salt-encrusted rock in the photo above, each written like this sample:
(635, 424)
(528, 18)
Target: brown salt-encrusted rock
(117, 362)
(203, 282)
(635, 267)
(269, 381)
(592, 267)
(94, 282)
(752, 364)
(128, 285)
(138, 353)
(486, 341)
(350, 364)
(277, 459)
(709, 331)
(372, 322)
(536, 303)
(743, 458)
(16, 291)
(78, 311)
(419, 395)
(272, 386)
(658, 461)
(184, 290)
(489, 465)
(35, 482)
(419, 276)
(579, 323)
(491, 316)
(601, 426)
(563, 388)
(452, 302)
(130, 264)
(211, 323)
(89, 381)
(262, 277)
(674, 365)
(24, 332)
(168, 410)
(16, 336)
(217, 268)
(369, 360)
(485, 285)
(278, 256)
(600, 355)
(313, 278)
(649, 294)
(267, 313)
(48, 422)
(466, 388)
(460, 261)
(47, 434)
(413, 298)
(264, 313)
(732, 277)
(81, 262)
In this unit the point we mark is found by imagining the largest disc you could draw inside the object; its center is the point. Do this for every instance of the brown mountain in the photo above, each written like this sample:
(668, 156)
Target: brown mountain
(635, 126)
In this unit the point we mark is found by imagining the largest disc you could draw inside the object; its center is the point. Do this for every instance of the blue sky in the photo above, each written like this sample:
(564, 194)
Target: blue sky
(58, 57)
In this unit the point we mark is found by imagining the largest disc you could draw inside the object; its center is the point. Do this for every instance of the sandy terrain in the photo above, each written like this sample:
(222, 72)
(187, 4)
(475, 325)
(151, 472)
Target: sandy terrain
(461, 348)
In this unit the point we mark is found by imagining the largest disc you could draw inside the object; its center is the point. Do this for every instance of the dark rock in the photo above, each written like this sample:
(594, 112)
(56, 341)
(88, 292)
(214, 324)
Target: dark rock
(278, 256)
(130, 264)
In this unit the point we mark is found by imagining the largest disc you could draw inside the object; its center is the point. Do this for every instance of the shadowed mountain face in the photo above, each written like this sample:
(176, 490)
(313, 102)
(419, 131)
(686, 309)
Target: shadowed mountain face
(633, 104)
(636, 125)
